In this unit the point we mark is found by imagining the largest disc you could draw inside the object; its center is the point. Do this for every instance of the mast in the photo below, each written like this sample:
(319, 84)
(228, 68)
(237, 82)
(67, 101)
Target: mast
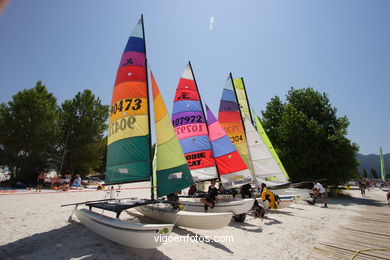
(148, 99)
(247, 100)
(204, 115)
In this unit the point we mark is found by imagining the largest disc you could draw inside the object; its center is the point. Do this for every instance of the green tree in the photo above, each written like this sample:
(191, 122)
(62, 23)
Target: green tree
(29, 132)
(310, 138)
(83, 124)
(365, 173)
(373, 173)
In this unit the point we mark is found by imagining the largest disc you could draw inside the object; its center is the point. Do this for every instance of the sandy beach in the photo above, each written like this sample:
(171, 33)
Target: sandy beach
(34, 226)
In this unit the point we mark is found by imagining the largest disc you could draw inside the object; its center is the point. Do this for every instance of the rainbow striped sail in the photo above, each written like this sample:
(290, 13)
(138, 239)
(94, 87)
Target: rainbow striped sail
(172, 170)
(230, 118)
(190, 125)
(232, 169)
(128, 152)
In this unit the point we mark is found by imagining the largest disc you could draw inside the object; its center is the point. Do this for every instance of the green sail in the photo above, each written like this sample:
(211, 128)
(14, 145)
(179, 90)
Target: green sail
(383, 174)
(172, 171)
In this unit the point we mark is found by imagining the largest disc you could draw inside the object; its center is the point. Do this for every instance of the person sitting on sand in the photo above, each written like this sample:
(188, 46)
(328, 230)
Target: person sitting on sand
(41, 181)
(266, 194)
(321, 192)
(211, 197)
(77, 181)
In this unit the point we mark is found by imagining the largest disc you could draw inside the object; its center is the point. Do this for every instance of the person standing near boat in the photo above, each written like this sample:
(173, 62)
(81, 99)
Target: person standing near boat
(321, 192)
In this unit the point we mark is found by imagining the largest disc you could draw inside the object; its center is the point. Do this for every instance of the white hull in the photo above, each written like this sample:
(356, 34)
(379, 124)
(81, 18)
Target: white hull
(237, 207)
(165, 213)
(122, 232)
(298, 194)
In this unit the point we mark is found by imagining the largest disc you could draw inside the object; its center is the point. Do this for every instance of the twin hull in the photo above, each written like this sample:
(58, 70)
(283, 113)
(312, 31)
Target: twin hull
(197, 220)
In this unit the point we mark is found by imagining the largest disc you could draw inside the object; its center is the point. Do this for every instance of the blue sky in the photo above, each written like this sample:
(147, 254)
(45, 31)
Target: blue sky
(338, 47)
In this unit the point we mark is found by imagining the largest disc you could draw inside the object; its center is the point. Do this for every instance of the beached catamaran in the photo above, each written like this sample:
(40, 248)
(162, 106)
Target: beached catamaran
(188, 118)
(129, 159)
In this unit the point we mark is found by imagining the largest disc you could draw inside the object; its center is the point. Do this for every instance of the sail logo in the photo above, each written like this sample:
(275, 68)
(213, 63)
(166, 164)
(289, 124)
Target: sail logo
(131, 126)
(175, 175)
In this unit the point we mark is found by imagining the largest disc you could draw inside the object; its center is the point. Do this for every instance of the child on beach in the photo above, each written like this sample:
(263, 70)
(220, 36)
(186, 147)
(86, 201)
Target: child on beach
(388, 198)
(266, 194)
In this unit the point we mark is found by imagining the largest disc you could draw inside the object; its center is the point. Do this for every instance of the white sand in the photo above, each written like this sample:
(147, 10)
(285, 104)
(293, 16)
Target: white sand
(34, 226)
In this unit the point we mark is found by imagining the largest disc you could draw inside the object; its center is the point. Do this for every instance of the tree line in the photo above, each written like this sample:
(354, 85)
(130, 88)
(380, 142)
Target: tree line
(37, 134)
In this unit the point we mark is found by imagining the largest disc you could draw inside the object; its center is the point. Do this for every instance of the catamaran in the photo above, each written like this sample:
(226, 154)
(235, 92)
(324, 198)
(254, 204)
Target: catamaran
(194, 133)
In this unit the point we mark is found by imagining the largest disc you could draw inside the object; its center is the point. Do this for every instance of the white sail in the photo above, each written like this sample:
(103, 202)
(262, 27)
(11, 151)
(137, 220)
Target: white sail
(265, 167)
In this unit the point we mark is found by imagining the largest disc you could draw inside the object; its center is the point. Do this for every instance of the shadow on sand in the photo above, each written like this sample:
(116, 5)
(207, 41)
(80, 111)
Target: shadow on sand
(183, 232)
(348, 201)
(247, 226)
(73, 241)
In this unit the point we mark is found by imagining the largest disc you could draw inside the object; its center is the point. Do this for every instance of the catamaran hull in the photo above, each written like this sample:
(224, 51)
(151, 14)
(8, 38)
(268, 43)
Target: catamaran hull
(298, 194)
(125, 233)
(237, 207)
(187, 219)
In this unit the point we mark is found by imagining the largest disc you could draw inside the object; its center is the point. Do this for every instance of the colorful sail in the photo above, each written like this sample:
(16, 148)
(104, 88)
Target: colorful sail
(190, 125)
(383, 173)
(267, 142)
(230, 118)
(232, 169)
(265, 167)
(128, 152)
(172, 170)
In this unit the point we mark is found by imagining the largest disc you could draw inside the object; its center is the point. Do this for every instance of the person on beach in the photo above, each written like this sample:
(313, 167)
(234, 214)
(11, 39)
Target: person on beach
(246, 191)
(174, 197)
(77, 181)
(211, 197)
(362, 187)
(319, 191)
(41, 181)
(388, 198)
(266, 194)
(192, 190)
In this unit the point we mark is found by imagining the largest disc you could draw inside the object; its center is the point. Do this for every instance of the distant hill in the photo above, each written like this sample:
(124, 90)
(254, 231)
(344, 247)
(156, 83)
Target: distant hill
(372, 161)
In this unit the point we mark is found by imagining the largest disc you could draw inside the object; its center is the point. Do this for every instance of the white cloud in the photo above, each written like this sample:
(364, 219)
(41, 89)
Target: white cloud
(211, 23)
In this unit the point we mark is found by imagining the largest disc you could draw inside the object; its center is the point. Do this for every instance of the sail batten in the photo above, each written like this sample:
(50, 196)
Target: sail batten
(189, 122)
(128, 151)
